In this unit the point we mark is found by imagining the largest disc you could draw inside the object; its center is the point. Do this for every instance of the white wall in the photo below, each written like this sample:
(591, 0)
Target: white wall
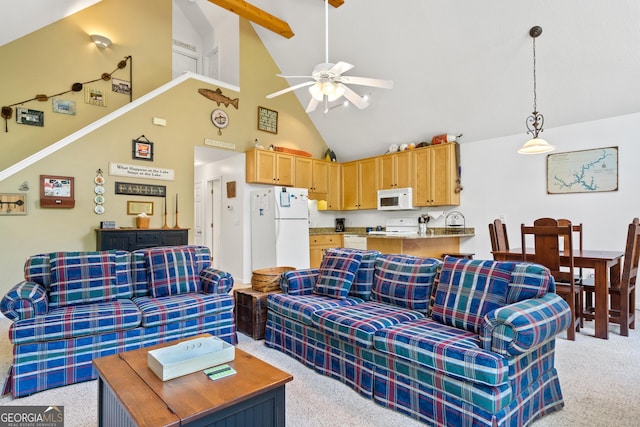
(498, 181)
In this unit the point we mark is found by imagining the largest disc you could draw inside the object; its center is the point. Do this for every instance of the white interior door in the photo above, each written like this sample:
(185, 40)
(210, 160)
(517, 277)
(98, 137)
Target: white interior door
(198, 217)
(212, 219)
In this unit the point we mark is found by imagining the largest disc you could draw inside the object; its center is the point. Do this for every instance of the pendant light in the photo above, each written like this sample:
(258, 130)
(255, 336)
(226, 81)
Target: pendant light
(536, 120)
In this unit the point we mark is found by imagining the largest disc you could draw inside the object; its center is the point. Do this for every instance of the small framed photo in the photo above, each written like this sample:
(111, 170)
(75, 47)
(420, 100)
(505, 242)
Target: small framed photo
(56, 192)
(137, 208)
(25, 116)
(95, 96)
(267, 120)
(13, 204)
(121, 86)
(64, 106)
(142, 150)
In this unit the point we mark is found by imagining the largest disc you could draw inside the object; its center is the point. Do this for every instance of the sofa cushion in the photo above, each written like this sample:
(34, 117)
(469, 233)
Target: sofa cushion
(38, 270)
(527, 281)
(77, 321)
(404, 280)
(469, 289)
(174, 308)
(299, 282)
(301, 307)
(82, 277)
(444, 348)
(337, 272)
(357, 324)
(363, 282)
(171, 271)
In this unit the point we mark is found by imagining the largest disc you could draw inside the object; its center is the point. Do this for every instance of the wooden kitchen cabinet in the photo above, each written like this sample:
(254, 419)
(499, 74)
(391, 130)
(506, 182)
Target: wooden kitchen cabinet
(436, 175)
(319, 243)
(395, 170)
(360, 184)
(270, 167)
(334, 191)
(313, 175)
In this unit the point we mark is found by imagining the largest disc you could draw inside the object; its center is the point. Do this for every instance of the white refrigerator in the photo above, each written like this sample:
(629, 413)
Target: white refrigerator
(279, 228)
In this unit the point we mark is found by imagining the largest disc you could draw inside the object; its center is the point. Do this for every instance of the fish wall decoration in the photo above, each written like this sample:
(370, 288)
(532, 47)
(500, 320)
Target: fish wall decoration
(218, 97)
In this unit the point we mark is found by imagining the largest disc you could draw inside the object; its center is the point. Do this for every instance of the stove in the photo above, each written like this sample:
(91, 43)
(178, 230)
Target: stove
(399, 226)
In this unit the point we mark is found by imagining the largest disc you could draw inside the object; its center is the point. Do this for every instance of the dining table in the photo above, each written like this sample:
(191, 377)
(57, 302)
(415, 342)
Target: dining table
(606, 267)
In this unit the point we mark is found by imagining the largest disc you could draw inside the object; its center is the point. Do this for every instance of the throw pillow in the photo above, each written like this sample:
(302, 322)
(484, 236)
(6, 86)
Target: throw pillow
(82, 277)
(404, 280)
(337, 272)
(468, 290)
(171, 271)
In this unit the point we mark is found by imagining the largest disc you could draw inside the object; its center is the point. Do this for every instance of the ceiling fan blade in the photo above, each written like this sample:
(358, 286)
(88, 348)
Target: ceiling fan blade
(289, 89)
(312, 105)
(366, 81)
(355, 99)
(341, 67)
(294, 77)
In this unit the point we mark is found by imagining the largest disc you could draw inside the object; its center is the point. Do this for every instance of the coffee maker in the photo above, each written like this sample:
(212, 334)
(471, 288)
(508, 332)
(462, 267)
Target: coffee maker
(339, 224)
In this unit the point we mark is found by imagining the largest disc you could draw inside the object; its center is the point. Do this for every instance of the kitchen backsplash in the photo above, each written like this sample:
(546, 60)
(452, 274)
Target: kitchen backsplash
(371, 218)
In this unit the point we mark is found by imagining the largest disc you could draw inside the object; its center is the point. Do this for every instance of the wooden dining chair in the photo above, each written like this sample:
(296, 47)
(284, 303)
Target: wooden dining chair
(623, 294)
(587, 297)
(547, 235)
(498, 234)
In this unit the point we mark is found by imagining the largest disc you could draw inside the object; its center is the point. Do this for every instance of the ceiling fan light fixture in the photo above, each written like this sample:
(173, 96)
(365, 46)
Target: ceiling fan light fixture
(536, 146)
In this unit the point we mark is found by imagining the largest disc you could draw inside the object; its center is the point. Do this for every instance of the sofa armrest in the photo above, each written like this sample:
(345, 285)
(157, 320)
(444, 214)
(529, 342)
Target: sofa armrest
(299, 282)
(519, 327)
(24, 301)
(215, 281)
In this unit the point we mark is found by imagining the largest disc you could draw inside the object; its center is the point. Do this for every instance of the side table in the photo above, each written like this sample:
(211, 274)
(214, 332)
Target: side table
(251, 311)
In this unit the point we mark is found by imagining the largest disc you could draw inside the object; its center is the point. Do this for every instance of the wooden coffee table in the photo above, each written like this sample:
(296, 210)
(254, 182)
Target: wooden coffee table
(130, 394)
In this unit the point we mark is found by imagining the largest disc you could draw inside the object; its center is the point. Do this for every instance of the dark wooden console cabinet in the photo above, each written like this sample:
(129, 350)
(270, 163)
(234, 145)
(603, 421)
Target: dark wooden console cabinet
(130, 239)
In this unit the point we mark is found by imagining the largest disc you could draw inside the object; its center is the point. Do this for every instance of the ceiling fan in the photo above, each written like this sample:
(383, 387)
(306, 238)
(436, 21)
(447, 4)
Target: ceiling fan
(329, 83)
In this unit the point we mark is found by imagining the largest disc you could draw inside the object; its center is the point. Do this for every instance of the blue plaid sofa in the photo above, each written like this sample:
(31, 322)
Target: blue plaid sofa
(73, 307)
(454, 343)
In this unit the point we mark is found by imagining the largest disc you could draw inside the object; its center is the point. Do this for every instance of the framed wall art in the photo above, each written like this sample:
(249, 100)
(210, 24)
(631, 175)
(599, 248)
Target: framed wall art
(13, 204)
(267, 120)
(95, 96)
(56, 192)
(64, 106)
(584, 171)
(25, 116)
(142, 150)
(137, 208)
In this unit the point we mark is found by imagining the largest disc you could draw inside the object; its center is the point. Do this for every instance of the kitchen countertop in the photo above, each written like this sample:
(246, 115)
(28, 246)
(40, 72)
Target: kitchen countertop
(432, 233)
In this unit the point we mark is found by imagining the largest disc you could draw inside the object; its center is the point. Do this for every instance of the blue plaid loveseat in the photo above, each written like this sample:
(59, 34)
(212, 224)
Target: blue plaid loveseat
(459, 343)
(73, 307)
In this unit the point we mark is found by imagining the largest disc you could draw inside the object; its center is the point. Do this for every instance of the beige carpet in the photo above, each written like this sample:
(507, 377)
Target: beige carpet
(600, 381)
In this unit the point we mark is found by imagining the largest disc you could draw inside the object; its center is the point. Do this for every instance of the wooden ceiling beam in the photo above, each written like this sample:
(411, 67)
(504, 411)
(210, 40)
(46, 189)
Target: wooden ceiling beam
(336, 3)
(257, 16)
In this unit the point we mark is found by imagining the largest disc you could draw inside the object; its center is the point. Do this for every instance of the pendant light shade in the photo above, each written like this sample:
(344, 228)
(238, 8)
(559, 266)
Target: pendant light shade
(536, 120)
(536, 146)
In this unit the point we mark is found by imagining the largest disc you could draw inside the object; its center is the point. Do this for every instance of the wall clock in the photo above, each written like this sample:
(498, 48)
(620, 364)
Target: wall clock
(220, 119)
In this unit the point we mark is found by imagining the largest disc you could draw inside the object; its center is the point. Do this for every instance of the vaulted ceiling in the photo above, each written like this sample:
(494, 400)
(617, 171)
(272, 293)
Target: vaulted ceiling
(459, 66)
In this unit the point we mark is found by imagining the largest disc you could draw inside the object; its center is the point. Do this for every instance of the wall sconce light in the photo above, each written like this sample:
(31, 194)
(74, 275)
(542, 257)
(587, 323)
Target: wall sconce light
(535, 121)
(101, 41)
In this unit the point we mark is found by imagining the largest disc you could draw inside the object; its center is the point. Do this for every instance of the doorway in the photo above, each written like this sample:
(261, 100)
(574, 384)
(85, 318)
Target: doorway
(213, 219)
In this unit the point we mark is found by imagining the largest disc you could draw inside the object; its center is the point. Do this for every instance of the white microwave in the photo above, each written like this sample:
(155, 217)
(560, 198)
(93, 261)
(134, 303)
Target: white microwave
(396, 199)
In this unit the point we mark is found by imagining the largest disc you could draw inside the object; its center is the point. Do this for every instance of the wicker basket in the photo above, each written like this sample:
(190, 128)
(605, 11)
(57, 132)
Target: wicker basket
(142, 222)
(268, 279)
